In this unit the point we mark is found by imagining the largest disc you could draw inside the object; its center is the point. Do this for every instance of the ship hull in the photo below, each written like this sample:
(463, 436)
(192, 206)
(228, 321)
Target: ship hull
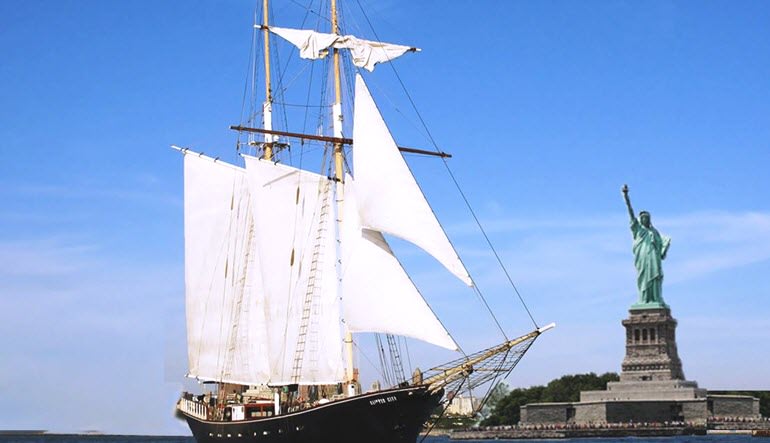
(392, 416)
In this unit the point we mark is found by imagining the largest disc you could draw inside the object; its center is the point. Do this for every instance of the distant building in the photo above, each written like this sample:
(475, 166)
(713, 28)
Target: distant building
(462, 406)
(652, 386)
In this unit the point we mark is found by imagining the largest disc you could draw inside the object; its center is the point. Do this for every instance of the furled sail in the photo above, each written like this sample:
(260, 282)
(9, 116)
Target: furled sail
(295, 234)
(225, 321)
(377, 294)
(389, 198)
(365, 53)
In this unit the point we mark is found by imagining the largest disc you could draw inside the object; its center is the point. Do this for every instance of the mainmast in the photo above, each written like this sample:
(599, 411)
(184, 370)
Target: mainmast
(267, 107)
(337, 108)
(339, 175)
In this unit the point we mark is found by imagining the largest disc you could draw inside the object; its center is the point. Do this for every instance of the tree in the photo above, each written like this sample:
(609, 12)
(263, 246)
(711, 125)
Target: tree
(568, 387)
(499, 392)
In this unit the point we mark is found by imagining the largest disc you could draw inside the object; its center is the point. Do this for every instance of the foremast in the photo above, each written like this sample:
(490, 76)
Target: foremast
(267, 107)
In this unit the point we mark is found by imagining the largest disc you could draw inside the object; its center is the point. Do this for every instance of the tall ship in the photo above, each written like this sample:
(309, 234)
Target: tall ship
(287, 266)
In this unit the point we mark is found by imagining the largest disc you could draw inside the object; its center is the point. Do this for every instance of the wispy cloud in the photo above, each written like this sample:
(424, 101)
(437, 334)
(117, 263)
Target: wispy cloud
(79, 323)
(573, 249)
(51, 256)
(714, 242)
(143, 188)
(39, 218)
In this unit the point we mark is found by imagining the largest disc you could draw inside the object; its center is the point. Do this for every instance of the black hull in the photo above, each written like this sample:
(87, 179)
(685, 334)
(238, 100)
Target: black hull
(392, 416)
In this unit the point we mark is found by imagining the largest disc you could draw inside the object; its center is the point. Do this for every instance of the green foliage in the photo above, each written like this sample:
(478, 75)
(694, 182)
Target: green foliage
(499, 392)
(763, 396)
(567, 388)
(505, 411)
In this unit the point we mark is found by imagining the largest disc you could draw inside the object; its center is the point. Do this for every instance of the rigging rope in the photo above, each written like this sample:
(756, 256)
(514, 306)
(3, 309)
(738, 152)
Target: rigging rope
(459, 189)
(408, 356)
(309, 10)
(251, 76)
(369, 360)
(443, 411)
(383, 361)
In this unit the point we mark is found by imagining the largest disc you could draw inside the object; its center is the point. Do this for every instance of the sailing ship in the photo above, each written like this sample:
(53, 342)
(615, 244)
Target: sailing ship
(284, 265)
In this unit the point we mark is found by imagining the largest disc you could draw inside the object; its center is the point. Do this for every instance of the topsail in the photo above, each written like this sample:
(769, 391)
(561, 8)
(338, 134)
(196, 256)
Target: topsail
(365, 53)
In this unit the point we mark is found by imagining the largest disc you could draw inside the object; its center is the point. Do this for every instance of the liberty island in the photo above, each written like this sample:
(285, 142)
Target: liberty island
(652, 386)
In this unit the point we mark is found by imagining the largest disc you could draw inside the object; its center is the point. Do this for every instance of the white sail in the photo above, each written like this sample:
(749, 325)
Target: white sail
(296, 242)
(389, 198)
(225, 322)
(377, 294)
(365, 53)
(312, 45)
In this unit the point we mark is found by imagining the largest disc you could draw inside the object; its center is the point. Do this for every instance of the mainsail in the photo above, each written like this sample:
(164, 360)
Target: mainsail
(248, 274)
(365, 53)
(296, 244)
(225, 322)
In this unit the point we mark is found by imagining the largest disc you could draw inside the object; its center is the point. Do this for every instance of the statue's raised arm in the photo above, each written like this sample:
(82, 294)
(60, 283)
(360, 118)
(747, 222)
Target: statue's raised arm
(628, 203)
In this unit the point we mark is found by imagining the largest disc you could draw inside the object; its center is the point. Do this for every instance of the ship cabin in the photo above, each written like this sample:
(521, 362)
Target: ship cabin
(206, 407)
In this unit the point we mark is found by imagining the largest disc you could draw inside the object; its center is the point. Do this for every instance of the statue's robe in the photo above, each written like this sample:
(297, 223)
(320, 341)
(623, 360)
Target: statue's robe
(649, 250)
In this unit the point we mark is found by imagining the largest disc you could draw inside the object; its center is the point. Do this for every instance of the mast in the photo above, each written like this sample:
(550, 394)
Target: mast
(267, 116)
(339, 175)
(337, 108)
(267, 107)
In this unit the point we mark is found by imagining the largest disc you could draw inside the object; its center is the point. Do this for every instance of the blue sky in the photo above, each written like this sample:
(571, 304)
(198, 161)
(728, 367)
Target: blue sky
(547, 107)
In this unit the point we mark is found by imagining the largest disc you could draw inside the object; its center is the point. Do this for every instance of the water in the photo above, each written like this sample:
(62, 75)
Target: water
(149, 439)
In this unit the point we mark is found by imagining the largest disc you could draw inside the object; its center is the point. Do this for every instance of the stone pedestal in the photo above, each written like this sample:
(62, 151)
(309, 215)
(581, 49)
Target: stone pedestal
(652, 386)
(651, 353)
(671, 390)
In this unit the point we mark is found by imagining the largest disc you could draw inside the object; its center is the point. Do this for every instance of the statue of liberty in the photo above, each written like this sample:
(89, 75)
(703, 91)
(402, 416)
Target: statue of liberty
(650, 249)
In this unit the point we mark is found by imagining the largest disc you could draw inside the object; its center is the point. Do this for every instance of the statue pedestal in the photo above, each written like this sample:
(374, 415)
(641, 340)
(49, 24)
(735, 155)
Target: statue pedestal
(654, 305)
(669, 390)
(651, 352)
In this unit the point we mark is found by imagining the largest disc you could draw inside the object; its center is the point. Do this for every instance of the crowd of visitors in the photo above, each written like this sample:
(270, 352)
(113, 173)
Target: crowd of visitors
(592, 425)
(624, 425)
(739, 419)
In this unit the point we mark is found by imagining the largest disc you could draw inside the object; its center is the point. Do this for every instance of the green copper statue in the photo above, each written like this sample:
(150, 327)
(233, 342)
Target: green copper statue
(650, 249)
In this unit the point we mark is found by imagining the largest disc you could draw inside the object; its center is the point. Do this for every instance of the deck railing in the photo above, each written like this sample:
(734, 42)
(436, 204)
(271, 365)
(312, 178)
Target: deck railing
(194, 408)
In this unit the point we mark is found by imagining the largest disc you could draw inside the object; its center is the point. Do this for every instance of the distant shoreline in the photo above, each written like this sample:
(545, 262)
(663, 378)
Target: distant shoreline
(757, 429)
(22, 432)
(550, 434)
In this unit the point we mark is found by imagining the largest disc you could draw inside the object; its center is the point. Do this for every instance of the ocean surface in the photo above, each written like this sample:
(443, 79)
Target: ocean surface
(150, 439)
